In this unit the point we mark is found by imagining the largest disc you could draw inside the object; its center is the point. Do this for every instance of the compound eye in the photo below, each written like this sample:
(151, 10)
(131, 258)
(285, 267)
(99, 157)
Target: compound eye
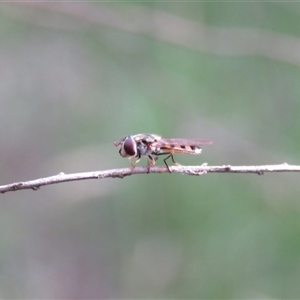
(129, 146)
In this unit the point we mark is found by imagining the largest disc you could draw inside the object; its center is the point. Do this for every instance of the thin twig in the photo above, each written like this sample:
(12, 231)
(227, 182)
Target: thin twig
(121, 173)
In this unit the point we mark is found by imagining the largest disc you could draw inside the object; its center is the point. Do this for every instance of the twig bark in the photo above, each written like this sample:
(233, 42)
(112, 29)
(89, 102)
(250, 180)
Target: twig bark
(121, 173)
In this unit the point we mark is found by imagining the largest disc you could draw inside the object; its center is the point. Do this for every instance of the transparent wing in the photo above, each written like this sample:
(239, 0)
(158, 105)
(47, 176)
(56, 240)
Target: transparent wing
(187, 142)
(188, 146)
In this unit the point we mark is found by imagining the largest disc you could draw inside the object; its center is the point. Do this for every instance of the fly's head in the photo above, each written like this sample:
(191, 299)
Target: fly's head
(128, 147)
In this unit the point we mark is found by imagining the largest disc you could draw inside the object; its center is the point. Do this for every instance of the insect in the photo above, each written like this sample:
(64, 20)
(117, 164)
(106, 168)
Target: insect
(153, 145)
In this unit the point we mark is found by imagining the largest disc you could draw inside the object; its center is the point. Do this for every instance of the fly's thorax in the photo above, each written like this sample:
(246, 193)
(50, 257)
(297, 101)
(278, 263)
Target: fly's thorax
(144, 149)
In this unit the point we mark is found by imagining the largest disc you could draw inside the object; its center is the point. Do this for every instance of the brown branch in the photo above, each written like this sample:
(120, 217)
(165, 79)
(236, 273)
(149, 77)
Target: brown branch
(121, 173)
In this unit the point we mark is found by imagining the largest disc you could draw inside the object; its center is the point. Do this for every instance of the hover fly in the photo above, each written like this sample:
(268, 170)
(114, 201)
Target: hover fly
(153, 145)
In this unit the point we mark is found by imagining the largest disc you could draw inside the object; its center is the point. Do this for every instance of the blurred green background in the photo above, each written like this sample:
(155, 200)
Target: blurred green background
(75, 77)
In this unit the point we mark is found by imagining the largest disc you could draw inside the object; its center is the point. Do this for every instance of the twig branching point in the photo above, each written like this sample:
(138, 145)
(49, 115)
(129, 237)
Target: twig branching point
(121, 173)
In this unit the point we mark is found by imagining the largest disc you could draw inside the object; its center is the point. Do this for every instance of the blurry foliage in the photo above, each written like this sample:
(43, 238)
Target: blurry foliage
(75, 77)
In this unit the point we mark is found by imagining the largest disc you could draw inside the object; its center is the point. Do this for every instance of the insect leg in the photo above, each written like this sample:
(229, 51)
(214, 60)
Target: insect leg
(175, 162)
(133, 165)
(172, 157)
(165, 161)
(151, 162)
